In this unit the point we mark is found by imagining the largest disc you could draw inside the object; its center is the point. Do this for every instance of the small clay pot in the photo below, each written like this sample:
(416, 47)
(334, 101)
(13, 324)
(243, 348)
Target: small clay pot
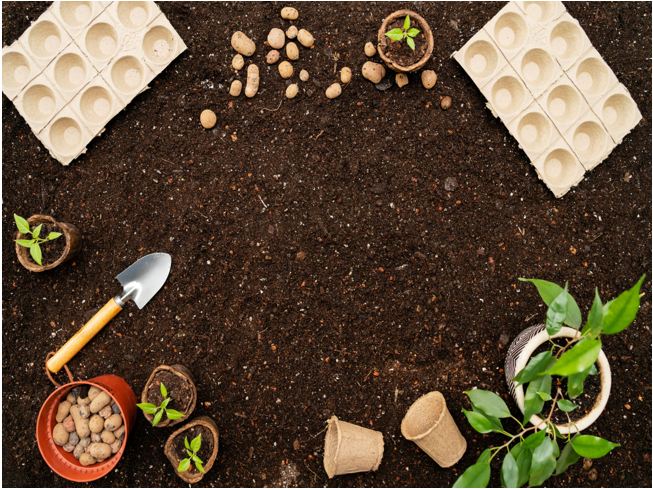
(383, 41)
(195, 475)
(184, 374)
(70, 232)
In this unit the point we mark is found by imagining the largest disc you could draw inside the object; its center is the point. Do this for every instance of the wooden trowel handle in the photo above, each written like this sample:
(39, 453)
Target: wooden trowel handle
(83, 336)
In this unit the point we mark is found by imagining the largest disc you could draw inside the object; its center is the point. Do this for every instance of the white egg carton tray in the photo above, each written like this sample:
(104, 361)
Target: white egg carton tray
(551, 88)
(81, 63)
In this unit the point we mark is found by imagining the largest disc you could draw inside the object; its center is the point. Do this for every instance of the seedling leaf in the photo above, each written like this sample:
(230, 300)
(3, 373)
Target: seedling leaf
(411, 43)
(536, 365)
(485, 457)
(407, 23)
(157, 417)
(509, 471)
(27, 243)
(21, 224)
(479, 422)
(53, 235)
(413, 32)
(147, 407)
(566, 406)
(37, 231)
(196, 443)
(200, 467)
(184, 465)
(186, 444)
(35, 251)
(580, 358)
(164, 391)
(173, 414)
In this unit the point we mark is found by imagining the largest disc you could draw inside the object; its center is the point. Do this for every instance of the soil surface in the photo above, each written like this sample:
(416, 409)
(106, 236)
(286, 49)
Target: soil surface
(205, 450)
(179, 391)
(401, 52)
(329, 257)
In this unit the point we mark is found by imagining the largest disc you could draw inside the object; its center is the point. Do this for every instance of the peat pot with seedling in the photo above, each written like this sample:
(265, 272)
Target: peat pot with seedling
(555, 379)
(169, 396)
(41, 239)
(192, 459)
(405, 41)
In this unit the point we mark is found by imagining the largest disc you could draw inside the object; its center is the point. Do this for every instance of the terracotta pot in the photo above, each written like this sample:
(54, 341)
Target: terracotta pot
(64, 463)
(70, 233)
(383, 41)
(183, 373)
(195, 475)
(517, 358)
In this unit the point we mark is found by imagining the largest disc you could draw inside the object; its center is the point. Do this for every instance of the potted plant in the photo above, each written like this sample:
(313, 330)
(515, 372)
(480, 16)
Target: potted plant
(37, 243)
(191, 460)
(532, 456)
(405, 41)
(170, 390)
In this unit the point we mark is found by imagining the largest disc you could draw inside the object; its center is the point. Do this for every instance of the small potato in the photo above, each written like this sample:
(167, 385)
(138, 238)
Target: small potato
(86, 459)
(236, 88)
(72, 396)
(82, 428)
(401, 79)
(289, 13)
(93, 392)
(272, 57)
(303, 75)
(101, 400)
(120, 432)
(446, 103)
(73, 439)
(370, 50)
(242, 44)
(100, 451)
(208, 120)
(107, 437)
(238, 62)
(252, 81)
(429, 78)
(79, 450)
(96, 423)
(68, 447)
(292, 90)
(115, 446)
(291, 33)
(276, 38)
(285, 69)
(84, 402)
(81, 422)
(60, 435)
(345, 75)
(69, 424)
(84, 410)
(106, 411)
(95, 438)
(305, 38)
(373, 72)
(63, 411)
(84, 442)
(292, 51)
(333, 91)
(113, 422)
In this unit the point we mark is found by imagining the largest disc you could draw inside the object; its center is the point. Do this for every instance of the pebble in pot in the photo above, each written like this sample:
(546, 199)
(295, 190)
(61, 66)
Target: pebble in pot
(272, 57)
(236, 87)
(242, 44)
(292, 51)
(237, 64)
(96, 423)
(370, 50)
(303, 75)
(60, 435)
(429, 78)
(208, 120)
(87, 459)
(289, 13)
(94, 391)
(305, 38)
(99, 451)
(291, 33)
(252, 81)
(333, 91)
(374, 72)
(63, 411)
(285, 69)
(401, 79)
(345, 75)
(276, 38)
(446, 103)
(292, 90)
(101, 400)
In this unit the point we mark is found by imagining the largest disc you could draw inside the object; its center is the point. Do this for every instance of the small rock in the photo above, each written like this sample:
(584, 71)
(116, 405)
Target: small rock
(587, 464)
(272, 57)
(292, 91)
(113, 422)
(94, 391)
(296, 445)
(237, 64)
(69, 424)
(105, 412)
(115, 446)
(446, 103)
(370, 50)
(271, 230)
(379, 203)
(289, 13)
(86, 459)
(450, 184)
(115, 408)
(78, 451)
(401, 79)
(84, 442)
(285, 69)
(242, 44)
(276, 38)
(208, 119)
(292, 51)
(63, 411)
(96, 423)
(120, 432)
(68, 447)
(73, 439)
(60, 435)
(301, 255)
(303, 75)
(107, 437)
(333, 91)
(305, 38)
(503, 339)
(429, 78)
(291, 33)
(384, 84)
(96, 438)
(252, 81)
(593, 475)
(236, 87)
(86, 401)
(345, 75)
(72, 396)
(373, 72)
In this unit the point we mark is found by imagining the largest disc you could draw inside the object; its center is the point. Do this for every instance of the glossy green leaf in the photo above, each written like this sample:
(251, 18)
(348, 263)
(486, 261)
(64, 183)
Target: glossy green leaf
(165, 403)
(541, 454)
(556, 448)
(534, 440)
(478, 475)
(537, 477)
(196, 443)
(53, 235)
(509, 471)
(485, 457)
(580, 358)
(622, 310)
(37, 231)
(594, 324)
(524, 465)
(413, 32)
(395, 34)
(35, 251)
(411, 43)
(489, 403)
(557, 312)
(407, 23)
(544, 396)
(184, 465)
(186, 444)
(568, 457)
(164, 391)
(533, 403)
(516, 450)
(479, 421)
(21, 224)
(566, 406)
(575, 383)
(174, 414)
(27, 243)
(592, 446)
(196, 458)
(549, 291)
(147, 407)
(157, 418)
(539, 363)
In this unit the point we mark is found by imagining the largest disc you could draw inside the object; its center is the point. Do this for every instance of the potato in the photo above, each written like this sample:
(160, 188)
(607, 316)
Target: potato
(291, 33)
(292, 51)
(96, 423)
(276, 38)
(68, 447)
(84, 442)
(429, 78)
(272, 57)
(113, 422)
(303, 75)
(73, 439)
(115, 446)
(333, 91)
(63, 411)
(78, 451)
(120, 432)
(374, 72)
(236, 87)
(107, 437)
(252, 81)
(99, 451)
(101, 400)
(242, 44)
(401, 79)
(84, 402)
(86, 459)
(238, 62)
(81, 422)
(305, 38)
(106, 411)
(95, 438)
(345, 75)
(82, 428)
(285, 69)
(73, 395)
(370, 50)
(69, 424)
(93, 392)
(60, 435)
(289, 13)
(292, 90)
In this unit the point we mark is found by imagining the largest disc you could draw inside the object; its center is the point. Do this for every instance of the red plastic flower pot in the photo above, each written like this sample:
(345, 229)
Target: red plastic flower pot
(64, 463)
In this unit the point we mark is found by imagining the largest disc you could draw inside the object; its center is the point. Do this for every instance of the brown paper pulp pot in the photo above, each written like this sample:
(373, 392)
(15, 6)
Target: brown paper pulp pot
(70, 233)
(183, 373)
(349, 448)
(195, 476)
(383, 41)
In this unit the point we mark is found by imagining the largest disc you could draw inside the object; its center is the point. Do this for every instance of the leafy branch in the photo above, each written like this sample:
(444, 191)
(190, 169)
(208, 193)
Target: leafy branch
(398, 34)
(158, 411)
(34, 243)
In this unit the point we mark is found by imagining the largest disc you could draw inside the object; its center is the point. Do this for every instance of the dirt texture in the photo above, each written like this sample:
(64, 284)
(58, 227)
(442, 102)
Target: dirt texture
(329, 257)
(400, 51)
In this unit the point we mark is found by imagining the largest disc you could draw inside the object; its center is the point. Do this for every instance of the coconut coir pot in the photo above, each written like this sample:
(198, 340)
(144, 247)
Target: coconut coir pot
(193, 475)
(71, 234)
(384, 41)
(180, 389)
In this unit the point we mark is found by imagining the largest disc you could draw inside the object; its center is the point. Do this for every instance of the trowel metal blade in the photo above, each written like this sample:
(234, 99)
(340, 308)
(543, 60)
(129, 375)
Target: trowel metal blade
(143, 279)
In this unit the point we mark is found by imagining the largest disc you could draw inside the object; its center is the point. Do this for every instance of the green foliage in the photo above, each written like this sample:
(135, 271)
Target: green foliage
(191, 449)
(535, 454)
(34, 243)
(406, 33)
(158, 411)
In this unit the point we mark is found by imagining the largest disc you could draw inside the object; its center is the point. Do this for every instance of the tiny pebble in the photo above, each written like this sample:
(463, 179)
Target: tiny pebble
(370, 50)
(292, 51)
(285, 69)
(429, 78)
(272, 57)
(345, 75)
(289, 13)
(303, 75)
(238, 62)
(291, 33)
(593, 475)
(334, 90)
(373, 72)
(587, 463)
(292, 90)
(236, 87)
(69, 424)
(446, 103)
(305, 38)
(208, 119)
(116, 409)
(105, 412)
(401, 79)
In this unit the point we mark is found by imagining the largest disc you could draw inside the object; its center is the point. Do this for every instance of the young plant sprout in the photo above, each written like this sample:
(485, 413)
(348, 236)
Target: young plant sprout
(532, 456)
(171, 414)
(194, 447)
(34, 243)
(406, 33)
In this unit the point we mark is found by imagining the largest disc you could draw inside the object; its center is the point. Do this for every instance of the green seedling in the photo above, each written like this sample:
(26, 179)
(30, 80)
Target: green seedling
(533, 456)
(194, 447)
(34, 243)
(406, 33)
(158, 411)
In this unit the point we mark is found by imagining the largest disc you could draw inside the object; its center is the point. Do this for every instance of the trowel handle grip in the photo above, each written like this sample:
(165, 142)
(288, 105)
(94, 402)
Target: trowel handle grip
(83, 336)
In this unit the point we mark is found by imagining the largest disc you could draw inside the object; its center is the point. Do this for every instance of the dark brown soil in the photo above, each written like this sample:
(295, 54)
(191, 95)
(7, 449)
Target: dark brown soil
(179, 391)
(401, 52)
(381, 264)
(205, 450)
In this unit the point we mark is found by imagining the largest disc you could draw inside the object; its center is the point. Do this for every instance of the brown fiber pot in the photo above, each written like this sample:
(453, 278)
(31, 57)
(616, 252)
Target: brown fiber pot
(70, 232)
(182, 372)
(194, 476)
(383, 41)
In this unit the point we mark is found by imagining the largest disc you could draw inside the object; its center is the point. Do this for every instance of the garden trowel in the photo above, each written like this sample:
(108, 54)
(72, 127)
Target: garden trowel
(139, 282)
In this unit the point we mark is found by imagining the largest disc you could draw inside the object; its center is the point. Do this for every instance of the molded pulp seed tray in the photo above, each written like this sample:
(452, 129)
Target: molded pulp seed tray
(80, 64)
(551, 88)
